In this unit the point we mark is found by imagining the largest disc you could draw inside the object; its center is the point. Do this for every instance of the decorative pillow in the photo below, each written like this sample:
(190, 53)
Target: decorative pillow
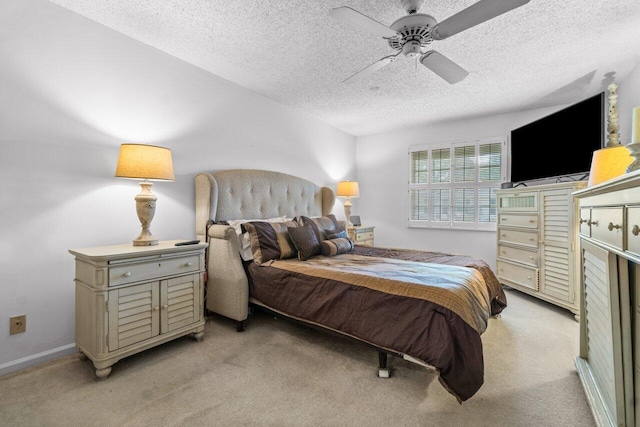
(244, 243)
(331, 247)
(320, 224)
(336, 234)
(270, 240)
(306, 242)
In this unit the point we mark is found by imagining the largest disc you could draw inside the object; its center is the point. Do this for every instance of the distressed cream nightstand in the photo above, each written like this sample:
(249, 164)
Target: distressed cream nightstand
(131, 298)
(362, 235)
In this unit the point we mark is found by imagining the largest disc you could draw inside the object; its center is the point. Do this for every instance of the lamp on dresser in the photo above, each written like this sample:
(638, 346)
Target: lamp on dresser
(145, 162)
(612, 160)
(348, 189)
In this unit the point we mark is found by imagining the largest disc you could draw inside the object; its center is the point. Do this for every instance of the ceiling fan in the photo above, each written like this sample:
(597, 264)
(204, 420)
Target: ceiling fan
(411, 34)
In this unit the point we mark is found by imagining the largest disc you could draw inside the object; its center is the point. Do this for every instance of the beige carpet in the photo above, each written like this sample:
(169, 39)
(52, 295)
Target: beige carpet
(278, 373)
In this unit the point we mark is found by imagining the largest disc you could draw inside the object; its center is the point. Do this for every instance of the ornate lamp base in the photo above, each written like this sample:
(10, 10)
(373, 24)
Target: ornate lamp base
(347, 212)
(146, 209)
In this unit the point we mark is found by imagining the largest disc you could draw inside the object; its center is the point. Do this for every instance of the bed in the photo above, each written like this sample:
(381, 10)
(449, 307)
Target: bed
(274, 244)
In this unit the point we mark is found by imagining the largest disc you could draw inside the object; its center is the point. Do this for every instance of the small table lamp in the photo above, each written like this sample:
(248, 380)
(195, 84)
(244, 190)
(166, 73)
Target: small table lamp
(146, 162)
(612, 160)
(348, 189)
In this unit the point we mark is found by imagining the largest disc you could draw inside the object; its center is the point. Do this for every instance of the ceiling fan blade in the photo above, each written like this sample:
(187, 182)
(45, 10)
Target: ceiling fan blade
(371, 68)
(443, 66)
(475, 14)
(361, 21)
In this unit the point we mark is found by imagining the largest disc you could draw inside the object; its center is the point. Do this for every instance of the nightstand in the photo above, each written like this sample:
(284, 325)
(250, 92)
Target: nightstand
(131, 298)
(362, 235)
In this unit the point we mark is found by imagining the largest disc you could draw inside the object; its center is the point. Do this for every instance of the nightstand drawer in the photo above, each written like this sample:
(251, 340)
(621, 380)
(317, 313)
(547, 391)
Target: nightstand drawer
(364, 235)
(123, 274)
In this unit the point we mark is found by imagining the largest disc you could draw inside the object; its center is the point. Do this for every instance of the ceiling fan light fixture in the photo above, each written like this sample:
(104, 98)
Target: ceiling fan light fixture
(411, 49)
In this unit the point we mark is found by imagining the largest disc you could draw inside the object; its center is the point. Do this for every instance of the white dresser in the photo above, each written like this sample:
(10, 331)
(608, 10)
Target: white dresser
(131, 298)
(538, 241)
(609, 359)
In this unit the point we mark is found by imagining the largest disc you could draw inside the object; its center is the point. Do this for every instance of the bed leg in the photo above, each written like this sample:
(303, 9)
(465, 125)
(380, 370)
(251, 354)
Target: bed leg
(240, 326)
(383, 370)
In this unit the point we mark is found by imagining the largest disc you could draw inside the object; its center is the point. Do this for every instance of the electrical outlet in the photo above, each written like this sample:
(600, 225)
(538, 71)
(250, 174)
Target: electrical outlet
(17, 324)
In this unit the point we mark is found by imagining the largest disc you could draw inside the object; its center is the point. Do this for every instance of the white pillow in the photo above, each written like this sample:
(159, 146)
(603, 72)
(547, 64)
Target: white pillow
(244, 243)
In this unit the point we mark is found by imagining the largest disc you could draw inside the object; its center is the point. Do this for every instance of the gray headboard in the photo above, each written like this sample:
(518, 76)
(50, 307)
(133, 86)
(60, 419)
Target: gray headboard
(256, 194)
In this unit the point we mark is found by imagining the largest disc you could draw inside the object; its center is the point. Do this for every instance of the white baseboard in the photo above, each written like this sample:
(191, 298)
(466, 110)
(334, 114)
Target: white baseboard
(35, 359)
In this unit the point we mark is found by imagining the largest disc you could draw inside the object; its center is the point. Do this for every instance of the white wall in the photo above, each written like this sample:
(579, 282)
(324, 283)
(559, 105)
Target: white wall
(72, 91)
(383, 196)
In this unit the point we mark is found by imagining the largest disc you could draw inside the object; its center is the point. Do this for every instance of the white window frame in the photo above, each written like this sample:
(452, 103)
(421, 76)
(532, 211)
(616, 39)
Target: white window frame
(450, 187)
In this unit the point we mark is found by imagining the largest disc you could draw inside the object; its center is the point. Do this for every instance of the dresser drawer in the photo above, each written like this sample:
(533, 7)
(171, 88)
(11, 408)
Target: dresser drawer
(585, 221)
(603, 226)
(633, 230)
(521, 255)
(518, 274)
(524, 238)
(515, 220)
(129, 273)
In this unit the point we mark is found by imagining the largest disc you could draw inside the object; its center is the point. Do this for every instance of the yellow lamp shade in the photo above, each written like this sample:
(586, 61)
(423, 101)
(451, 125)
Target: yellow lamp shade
(140, 161)
(348, 189)
(608, 163)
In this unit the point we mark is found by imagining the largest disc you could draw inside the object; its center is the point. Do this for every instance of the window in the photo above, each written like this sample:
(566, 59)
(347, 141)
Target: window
(454, 185)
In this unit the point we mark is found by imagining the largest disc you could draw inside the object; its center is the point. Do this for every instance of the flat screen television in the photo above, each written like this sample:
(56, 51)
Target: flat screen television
(560, 144)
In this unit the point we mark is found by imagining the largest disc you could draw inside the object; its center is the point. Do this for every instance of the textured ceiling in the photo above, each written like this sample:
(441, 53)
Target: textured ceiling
(545, 53)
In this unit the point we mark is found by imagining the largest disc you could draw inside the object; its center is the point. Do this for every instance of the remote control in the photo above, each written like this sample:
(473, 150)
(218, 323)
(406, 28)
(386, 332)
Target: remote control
(189, 242)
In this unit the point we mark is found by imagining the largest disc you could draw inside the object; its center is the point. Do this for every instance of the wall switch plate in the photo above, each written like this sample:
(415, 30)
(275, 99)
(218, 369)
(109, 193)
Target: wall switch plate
(17, 324)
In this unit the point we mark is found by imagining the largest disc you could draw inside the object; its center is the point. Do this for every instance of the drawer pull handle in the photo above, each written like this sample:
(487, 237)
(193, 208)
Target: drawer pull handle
(532, 221)
(531, 239)
(127, 274)
(156, 308)
(583, 220)
(635, 230)
(611, 226)
(188, 264)
(164, 307)
(590, 223)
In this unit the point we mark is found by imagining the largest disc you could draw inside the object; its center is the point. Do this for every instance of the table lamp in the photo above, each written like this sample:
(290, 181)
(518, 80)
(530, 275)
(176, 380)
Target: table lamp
(348, 189)
(145, 162)
(612, 160)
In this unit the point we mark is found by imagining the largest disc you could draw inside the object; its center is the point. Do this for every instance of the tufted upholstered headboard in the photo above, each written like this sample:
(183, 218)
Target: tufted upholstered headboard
(245, 194)
(256, 194)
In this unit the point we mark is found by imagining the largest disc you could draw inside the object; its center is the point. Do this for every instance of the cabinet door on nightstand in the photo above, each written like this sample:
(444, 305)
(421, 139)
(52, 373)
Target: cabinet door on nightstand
(133, 314)
(180, 302)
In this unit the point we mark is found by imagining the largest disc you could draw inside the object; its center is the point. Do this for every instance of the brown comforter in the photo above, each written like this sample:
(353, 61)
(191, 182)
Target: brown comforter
(430, 306)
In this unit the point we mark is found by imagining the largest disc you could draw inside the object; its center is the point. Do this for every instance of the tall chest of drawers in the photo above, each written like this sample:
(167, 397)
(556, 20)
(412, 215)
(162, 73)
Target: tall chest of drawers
(537, 242)
(131, 298)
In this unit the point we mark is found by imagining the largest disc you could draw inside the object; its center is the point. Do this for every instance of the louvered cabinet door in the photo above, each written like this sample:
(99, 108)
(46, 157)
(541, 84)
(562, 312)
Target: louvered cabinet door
(557, 248)
(133, 314)
(605, 355)
(180, 302)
